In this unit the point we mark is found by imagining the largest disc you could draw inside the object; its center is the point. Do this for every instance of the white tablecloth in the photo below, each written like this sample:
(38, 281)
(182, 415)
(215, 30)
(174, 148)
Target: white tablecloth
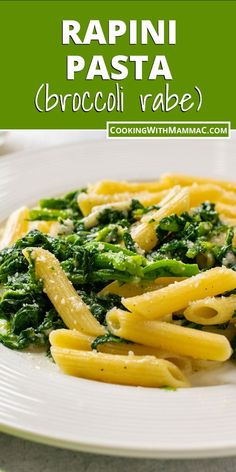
(17, 455)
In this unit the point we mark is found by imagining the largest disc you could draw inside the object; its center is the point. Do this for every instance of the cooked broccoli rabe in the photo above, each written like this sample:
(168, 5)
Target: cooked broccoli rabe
(191, 238)
(108, 338)
(68, 202)
(91, 258)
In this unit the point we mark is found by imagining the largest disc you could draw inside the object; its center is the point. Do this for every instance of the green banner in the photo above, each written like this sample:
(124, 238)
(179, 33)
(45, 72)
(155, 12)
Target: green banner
(81, 64)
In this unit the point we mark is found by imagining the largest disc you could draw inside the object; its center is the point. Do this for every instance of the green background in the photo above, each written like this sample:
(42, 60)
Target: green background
(31, 54)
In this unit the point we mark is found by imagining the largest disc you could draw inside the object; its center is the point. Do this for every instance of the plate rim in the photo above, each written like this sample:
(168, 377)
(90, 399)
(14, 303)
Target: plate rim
(188, 452)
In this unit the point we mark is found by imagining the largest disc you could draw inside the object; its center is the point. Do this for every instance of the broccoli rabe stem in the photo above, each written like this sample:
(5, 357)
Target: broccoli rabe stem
(129, 264)
(166, 267)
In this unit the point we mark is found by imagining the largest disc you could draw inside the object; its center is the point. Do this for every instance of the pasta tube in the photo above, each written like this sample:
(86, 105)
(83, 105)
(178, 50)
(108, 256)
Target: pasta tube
(183, 180)
(93, 218)
(61, 292)
(202, 193)
(226, 210)
(109, 187)
(47, 227)
(144, 233)
(87, 201)
(131, 289)
(43, 226)
(174, 297)
(211, 311)
(72, 339)
(174, 338)
(16, 227)
(145, 371)
(210, 192)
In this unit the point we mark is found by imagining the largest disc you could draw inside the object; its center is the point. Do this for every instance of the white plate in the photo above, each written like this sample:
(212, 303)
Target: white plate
(2, 136)
(40, 403)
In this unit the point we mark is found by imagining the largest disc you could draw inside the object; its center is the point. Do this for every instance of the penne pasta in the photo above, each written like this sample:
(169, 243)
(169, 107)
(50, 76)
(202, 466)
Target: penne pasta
(212, 193)
(92, 219)
(183, 180)
(144, 233)
(69, 305)
(226, 210)
(145, 371)
(43, 226)
(138, 288)
(174, 297)
(47, 227)
(197, 193)
(174, 338)
(212, 311)
(109, 187)
(205, 192)
(72, 339)
(87, 201)
(16, 227)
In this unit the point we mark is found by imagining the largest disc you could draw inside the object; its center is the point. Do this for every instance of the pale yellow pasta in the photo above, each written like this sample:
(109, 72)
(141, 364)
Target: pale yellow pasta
(228, 197)
(226, 210)
(47, 227)
(87, 201)
(183, 180)
(145, 371)
(182, 362)
(72, 339)
(174, 338)
(144, 233)
(69, 305)
(210, 192)
(131, 289)
(227, 220)
(112, 186)
(92, 218)
(43, 226)
(171, 194)
(202, 193)
(174, 297)
(211, 310)
(54, 228)
(16, 227)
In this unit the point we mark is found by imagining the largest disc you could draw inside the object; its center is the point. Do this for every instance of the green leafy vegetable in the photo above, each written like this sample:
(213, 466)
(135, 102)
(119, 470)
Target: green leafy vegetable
(169, 267)
(129, 242)
(49, 215)
(92, 258)
(108, 338)
(69, 201)
(189, 237)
